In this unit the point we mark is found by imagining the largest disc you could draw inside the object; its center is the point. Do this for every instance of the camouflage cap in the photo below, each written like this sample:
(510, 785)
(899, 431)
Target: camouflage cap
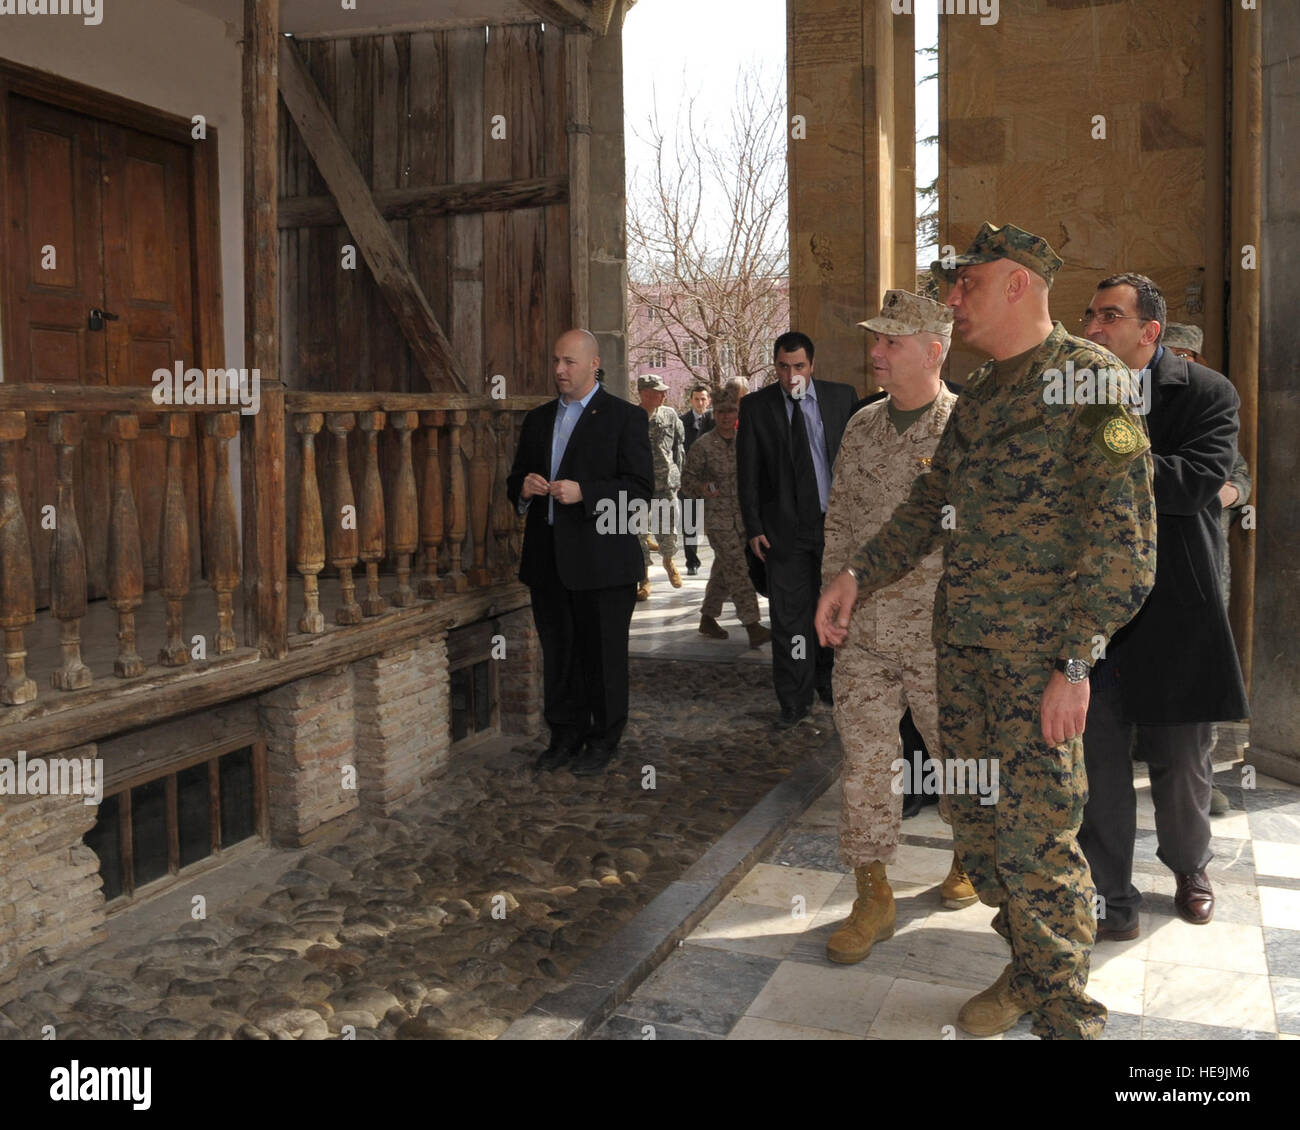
(650, 383)
(904, 314)
(1006, 242)
(1180, 335)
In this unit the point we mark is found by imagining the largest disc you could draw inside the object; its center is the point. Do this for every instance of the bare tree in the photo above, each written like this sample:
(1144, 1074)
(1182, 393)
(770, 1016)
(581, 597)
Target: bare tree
(708, 257)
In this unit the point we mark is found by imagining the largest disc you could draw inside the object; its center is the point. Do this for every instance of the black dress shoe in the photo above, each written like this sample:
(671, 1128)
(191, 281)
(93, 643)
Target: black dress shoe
(556, 755)
(1194, 897)
(912, 804)
(791, 716)
(692, 570)
(826, 695)
(593, 760)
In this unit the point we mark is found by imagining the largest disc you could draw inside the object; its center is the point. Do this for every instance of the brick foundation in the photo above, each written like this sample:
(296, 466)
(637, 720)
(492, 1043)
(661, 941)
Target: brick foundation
(519, 681)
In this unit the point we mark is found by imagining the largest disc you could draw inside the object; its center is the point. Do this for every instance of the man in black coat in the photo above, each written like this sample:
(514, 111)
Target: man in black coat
(582, 463)
(697, 419)
(787, 443)
(1172, 671)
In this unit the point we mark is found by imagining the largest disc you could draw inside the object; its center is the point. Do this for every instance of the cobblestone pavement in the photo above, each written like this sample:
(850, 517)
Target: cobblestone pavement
(451, 918)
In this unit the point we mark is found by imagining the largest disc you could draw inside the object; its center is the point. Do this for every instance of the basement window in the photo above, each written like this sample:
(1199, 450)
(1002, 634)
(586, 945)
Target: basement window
(153, 831)
(473, 700)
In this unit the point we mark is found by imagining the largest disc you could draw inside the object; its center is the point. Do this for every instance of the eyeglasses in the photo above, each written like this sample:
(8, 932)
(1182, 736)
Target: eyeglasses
(1107, 318)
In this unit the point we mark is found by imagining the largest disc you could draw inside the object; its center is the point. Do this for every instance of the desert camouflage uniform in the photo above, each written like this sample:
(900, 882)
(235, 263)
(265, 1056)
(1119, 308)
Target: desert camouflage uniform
(887, 662)
(667, 444)
(1047, 521)
(712, 459)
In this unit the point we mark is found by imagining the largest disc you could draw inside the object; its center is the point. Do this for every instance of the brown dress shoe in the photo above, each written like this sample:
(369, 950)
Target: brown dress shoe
(1110, 934)
(1194, 897)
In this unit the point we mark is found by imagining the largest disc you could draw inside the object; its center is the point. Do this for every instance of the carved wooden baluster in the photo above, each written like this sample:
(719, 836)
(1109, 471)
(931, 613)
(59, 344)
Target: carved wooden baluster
(341, 526)
(125, 566)
(17, 585)
(480, 497)
(456, 524)
(372, 513)
(503, 513)
(67, 556)
(520, 520)
(174, 541)
(431, 528)
(404, 520)
(311, 530)
(223, 540)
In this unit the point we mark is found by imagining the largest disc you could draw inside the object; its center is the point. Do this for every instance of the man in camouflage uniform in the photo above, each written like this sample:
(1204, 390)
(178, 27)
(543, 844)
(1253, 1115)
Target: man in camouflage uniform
(887, 662)
(711, 474)
(1045, 513)
(668, 447)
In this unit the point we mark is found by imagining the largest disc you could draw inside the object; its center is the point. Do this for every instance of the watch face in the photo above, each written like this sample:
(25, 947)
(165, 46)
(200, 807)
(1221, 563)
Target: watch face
(1076, 670)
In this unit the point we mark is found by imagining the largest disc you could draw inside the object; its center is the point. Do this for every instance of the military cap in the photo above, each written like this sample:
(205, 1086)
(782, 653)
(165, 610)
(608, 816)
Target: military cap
(1006, 242)
(1180, 335)
(904, 314)
(650, 383)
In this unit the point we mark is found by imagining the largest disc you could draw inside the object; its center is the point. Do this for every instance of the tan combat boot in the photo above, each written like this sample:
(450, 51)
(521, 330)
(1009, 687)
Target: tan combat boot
(643, 589)
(711, 628)
(957, 890)
(871, 920)
(674, 577)
(758, 635)
(994, 1010)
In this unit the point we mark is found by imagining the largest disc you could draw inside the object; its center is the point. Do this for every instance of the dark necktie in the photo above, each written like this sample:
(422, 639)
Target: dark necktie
(807, 499)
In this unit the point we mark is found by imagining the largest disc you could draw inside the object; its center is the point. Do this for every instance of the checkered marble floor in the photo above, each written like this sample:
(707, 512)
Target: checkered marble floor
(756, 967)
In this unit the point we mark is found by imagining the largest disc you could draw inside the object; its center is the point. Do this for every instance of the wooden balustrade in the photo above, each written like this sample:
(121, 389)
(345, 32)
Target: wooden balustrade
(17, 585)
(67, 557)
(125, 561)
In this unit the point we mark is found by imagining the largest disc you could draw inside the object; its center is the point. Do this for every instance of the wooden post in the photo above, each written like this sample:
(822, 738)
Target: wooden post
(125, 564)
(262, 452)
(17, 585)
(480, 494)
(67, 557)
(456, 524)
(404, 520)
(503, 514)
(223, 538)
(311, 532)
(341, 526)
(577, 83)
(174, 542)
(371, 516)
(431, 520)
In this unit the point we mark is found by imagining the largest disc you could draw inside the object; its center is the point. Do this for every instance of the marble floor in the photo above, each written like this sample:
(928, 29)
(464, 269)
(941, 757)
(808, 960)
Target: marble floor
(756, 967)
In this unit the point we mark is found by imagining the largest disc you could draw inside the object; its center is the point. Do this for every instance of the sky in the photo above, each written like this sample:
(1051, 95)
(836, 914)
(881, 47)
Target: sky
(673, 49)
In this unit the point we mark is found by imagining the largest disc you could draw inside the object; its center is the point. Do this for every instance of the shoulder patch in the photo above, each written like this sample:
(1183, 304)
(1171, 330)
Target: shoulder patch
(1120, 440)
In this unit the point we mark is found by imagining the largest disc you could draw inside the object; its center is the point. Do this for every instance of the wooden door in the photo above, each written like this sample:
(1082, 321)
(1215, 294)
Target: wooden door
(100, 217)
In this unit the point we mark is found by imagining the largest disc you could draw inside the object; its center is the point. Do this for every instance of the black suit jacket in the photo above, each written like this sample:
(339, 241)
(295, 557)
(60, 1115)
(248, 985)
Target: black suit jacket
(692, 432)
(608, 455)
(765, 463)
(1176, 658)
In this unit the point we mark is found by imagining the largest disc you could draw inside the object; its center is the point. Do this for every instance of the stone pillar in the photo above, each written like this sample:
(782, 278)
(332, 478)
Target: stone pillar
(519, 677)
(607, 220)
(309, 732)
(1275, 693)
(403, 730)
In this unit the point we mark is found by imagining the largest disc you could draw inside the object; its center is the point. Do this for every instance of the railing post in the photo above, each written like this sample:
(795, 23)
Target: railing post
(17, 585)
(341, 527)
(174, 542)
(223, 539)
(480, 483)
(311, 533)
(67, 557)
(457, 524)
(503, 514)
(125, 566)
(373, 530)
(404, 536)
(431, 519)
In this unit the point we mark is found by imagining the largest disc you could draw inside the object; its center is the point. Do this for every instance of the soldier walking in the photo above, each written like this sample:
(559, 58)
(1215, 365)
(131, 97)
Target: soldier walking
(1045, 513)
(668, 447)
(711, 474)
(886, 664)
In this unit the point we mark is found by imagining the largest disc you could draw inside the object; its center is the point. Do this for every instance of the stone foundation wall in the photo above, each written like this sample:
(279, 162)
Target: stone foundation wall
(519, 679)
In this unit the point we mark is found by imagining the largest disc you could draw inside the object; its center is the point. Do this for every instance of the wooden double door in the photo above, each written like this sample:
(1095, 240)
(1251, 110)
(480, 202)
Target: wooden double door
(100, 291)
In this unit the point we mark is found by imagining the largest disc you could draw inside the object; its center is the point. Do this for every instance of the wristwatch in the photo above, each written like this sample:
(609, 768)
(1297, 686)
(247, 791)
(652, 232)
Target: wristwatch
(1075, 670)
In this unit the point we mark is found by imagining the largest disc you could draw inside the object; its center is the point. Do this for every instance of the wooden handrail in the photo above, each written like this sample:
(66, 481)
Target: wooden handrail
(406, 402)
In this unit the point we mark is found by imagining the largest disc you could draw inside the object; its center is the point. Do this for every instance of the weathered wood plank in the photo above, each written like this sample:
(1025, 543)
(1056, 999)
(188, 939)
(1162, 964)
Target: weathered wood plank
(569, 13)
(465, 72)
(555, 218)
(501, 131)
(577, 84)
(468, 199)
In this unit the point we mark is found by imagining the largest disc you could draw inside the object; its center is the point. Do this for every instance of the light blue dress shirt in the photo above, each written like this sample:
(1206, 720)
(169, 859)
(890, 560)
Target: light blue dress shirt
(812, 420)
(566, 419)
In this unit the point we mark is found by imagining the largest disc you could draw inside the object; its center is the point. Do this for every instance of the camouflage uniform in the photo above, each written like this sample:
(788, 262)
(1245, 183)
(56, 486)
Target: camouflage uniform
(887, 662)
(712, 459)
(1047, 521)
(667, 441)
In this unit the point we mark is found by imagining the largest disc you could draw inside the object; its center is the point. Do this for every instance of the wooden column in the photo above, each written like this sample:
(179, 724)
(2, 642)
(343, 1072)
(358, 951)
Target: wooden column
(503, 514)
(223, 537)
(17, 585)
(341, 526)
(262, 451)
(174, 541)
(577, 83)
(67, 556)
(480, 494)
(311, 532)
(371, 515)
(456, 519)
(404, 520)
(431, 519)
(125, 564)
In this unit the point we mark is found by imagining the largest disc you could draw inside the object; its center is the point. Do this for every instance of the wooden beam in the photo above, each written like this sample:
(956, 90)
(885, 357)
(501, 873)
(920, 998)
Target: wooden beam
(432, 200)
(266, 594)
(569, 14)
(381, 251)
(577, 84)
